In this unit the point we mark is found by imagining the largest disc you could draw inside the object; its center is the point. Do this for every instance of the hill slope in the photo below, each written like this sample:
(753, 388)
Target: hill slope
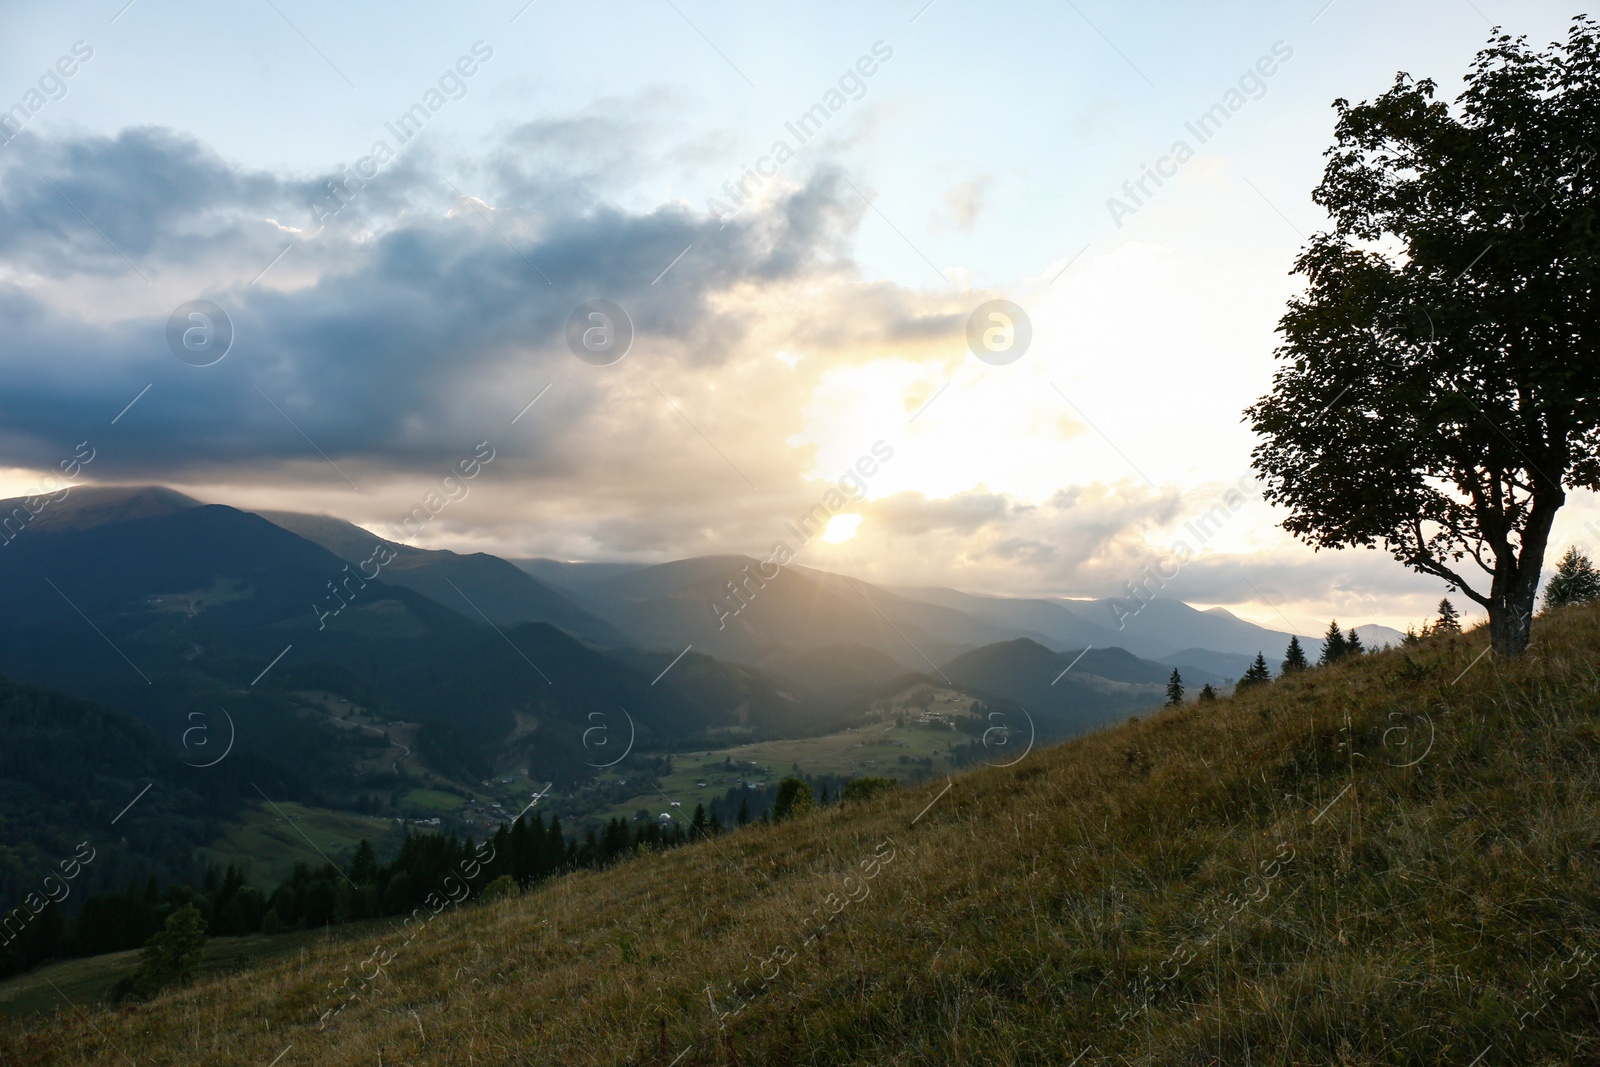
(182, 610)
(469, 584)
(69, 771)
(1392, 862)
(1065, 693)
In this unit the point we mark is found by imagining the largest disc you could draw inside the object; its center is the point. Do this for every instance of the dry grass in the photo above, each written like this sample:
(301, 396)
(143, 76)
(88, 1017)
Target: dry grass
(1380, 864)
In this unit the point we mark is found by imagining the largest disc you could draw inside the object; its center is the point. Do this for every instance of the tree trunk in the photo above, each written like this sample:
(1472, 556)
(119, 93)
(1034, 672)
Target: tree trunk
(1516, 580)
(1510, 620)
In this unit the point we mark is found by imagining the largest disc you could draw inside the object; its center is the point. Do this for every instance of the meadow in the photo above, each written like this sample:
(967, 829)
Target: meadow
(1391, 861)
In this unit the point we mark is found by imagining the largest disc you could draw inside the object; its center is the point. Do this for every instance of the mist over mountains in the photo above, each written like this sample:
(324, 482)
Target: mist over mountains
(723, 606)
(342, 670)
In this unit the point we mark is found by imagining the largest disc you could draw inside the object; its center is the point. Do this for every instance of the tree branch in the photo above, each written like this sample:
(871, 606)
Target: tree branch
(1439, 570)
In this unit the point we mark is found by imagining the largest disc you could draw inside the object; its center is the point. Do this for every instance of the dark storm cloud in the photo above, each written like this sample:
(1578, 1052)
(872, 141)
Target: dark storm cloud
(397, 344)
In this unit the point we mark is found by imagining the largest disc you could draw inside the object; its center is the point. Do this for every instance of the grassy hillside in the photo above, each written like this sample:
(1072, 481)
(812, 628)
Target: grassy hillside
(88, 980)
(1391, 862)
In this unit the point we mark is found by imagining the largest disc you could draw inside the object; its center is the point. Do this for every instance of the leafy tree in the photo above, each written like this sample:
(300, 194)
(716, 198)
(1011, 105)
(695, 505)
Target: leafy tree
(1334, 645)
(1440, 386)
(1207, 694)
(1449, 621)
(1352, 643)
(1258, 674)
(1174, 690)
(1294, 657)
(794, 799)
(171, 957)
(1575, 581)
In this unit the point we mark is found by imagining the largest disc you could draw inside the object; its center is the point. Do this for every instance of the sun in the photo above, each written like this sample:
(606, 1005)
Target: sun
(840, 528)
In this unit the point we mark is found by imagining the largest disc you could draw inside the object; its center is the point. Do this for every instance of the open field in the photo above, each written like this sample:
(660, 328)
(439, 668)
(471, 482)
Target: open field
(269, 839)
(873, 750)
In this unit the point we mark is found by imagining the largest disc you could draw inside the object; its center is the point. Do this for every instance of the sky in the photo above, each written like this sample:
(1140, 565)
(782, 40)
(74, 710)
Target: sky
(798, 210)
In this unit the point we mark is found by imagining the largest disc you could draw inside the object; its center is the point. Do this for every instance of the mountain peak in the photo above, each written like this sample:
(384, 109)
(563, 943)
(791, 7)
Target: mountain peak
(87, 506)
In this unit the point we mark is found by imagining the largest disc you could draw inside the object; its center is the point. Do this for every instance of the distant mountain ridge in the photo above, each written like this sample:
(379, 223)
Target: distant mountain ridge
(730, 607)
(1063, 693)
(477, 585)
(725, 605)
(777, 619)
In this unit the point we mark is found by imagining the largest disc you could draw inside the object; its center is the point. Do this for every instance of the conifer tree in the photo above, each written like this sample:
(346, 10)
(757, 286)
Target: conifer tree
(1294, 657)
(1352, 643)
(1207, 693)
(1174, 689)
(1575, 581)
(364, 864)
(1258, 674)
(1333, 644)
(1449, 621)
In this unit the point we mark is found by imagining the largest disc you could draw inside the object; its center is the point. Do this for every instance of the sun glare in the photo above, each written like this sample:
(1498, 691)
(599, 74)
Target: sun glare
(841, 528)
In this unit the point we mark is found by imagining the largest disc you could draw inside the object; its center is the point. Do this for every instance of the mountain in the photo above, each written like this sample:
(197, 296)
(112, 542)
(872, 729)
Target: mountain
(1056, 619)
(1238, 883)
(840, 671)
(724, 605)
(1101, 686)
(201, 608)
(72, 771)
(476, 585)
(572, 577)
(467, 584)
(802, 608)
(92, 505)
(1161, 629)
(181, 614)
(1230, 666)
(1374, 637)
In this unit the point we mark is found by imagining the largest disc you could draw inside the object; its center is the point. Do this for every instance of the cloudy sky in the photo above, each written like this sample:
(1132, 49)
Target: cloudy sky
(398, 208)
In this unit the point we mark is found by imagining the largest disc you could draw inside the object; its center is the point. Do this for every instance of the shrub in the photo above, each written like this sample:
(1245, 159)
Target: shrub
(794, 798)
(502, 888)
(866, 788)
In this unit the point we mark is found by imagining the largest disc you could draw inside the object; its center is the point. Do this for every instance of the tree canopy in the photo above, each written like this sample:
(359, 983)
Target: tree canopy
(794, 799)
(1439, 390)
